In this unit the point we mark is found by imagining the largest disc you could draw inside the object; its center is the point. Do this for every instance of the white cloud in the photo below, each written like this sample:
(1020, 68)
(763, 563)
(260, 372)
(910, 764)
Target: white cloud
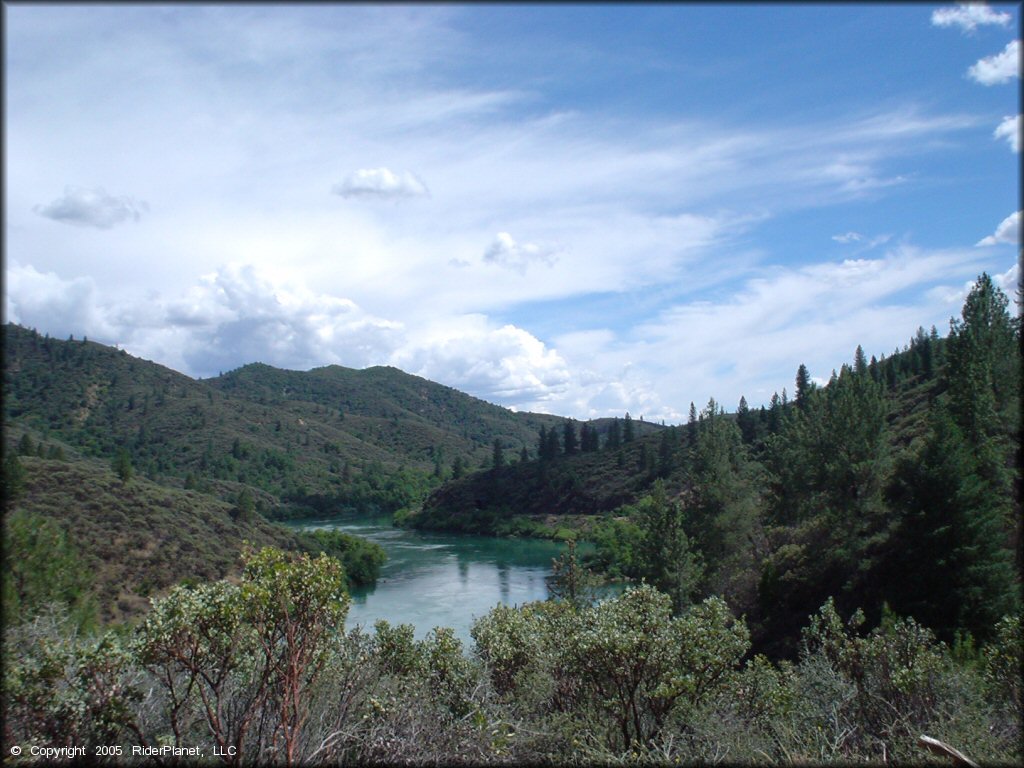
(849, 237)
(1008, 231)
(505, 364)
(85, 207)
(1000, 68)
(506, 252)
(54, 305)
(969, 16)
(381, 183)
(1009, 129)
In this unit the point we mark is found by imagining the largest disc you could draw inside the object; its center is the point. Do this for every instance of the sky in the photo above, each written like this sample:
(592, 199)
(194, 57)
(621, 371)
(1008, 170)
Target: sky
(584, 210)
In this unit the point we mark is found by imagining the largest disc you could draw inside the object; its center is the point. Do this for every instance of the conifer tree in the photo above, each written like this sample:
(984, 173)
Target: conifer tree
(669, 561)
(949, 566)
(627, 429)
(569, 441)
(122, 465)
(691, 426)
(860, 362)
(746, 421)
(614, 439)
(803, 386)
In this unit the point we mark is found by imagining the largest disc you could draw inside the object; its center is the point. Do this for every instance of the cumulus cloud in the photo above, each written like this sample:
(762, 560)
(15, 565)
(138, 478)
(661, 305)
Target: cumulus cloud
(1008, 231)
(506, 364)
(239, 315)
(46, 301)
(91, 208)
(381, 183)
(968, 16)
(1009, 129)
(506, 252)
(1000, 68)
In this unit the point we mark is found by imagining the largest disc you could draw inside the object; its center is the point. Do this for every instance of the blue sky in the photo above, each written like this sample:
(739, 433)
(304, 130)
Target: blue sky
(583, 210)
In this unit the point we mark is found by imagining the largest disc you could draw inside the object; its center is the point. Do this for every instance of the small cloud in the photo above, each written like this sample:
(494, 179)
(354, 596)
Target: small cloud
(1001, 68)
(91, 208)
(1007, 232)
(1009, 129)
(849, 237)
(968, 16)
(381, 183)
(506, 252)
(857, 237)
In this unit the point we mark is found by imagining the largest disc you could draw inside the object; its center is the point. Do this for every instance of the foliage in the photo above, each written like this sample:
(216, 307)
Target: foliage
(360, 558)
(570, 580)
(41, 567)
(235, 651)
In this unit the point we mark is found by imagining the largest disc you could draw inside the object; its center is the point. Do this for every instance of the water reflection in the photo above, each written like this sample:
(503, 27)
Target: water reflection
(434, 579)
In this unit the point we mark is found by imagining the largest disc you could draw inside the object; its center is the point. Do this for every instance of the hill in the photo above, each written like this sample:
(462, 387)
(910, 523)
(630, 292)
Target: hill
(134, 539)
(332, 436)
(895, 487)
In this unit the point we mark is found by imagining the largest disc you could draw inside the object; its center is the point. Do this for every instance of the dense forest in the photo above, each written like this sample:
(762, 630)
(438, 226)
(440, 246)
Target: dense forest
(823, 579)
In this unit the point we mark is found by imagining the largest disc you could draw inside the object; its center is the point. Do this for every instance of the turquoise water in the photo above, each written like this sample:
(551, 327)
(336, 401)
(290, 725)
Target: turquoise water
(438, 579)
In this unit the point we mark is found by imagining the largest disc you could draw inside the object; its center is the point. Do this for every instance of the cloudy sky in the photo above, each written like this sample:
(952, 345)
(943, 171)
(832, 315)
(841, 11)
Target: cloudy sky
(583, 210)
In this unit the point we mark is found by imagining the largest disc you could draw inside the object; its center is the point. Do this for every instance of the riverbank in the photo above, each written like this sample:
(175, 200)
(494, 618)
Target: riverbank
(560, 528)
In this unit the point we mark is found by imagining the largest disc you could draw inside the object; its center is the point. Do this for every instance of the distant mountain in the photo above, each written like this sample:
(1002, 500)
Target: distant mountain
(377, 437)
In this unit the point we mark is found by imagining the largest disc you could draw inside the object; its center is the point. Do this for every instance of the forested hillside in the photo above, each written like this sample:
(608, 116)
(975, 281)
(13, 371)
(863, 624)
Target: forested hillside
(896, 484)
(332, 437)
(826, 579)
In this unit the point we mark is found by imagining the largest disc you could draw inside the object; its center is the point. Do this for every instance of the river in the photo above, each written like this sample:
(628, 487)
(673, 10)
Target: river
(440, 579)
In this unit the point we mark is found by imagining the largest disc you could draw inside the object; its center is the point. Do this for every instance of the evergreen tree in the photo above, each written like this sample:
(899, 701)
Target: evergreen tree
(588, 437)
(569, 441)
(949, 566)
(458, 467)
(803, 386)
(746, 421)
(553, 447)
(122, 465)
(614, 439)
(665, 452)
(25, 446)
(245, 507)
(667, 559)
(691, 426)
(570, 581)
(983, 370)
(497, 455)
(860, 362)
(627, 429)
(13, 477)
(774, 414)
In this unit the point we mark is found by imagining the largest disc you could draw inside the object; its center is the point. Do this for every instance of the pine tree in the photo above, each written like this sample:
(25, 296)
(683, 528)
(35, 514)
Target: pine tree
(122, 465)
(497, 455)
(614, 439)
(803, 386)
(860, 362)
(569, 442)
(13, 478)
(667, 558)
(949, 566)
(691, 426)
(746, 421)
(627, 429)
